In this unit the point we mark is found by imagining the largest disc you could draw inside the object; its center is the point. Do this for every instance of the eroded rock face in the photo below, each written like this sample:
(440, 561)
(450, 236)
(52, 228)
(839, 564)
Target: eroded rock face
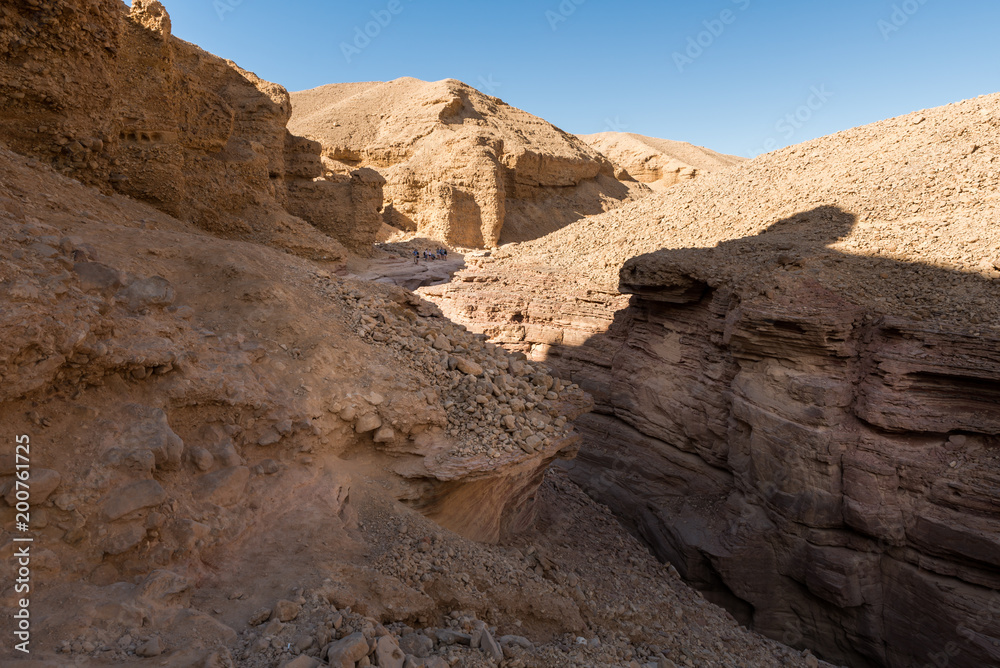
(797, 406)
(849, 460)
(460, 166)
(139, 112)
(819, 470)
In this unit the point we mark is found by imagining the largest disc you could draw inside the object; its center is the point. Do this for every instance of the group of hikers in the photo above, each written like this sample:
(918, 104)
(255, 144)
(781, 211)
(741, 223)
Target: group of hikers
(437, 254)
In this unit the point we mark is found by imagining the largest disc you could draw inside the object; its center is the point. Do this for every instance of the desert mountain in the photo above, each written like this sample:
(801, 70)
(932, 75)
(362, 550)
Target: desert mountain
(658, 163)
(459, 165)
(797, 381)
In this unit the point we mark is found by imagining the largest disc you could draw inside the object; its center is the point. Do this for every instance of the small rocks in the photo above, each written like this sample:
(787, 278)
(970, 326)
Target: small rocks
(449, 637)
(490, 646)
(267, 467)
(468, 366)
(269, 437)
(385, 435)
(43, 483)
(489, 395)
(301, 661)
(367, 423)
(259, 617)
(134, 496)
(388, 654)
(224, 487)
(346, 651)
(274, 627)
(150, 648)
(202, 459)
(286, 611)
(155, 291)
(417, 644)
(94, 276)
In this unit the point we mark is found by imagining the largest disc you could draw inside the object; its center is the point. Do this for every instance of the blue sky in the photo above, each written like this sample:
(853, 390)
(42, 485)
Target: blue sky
(738, 76)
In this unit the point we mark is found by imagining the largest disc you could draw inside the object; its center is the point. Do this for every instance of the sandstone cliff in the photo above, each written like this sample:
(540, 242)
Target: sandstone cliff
(658, 163)
(460, 166)
(797, 406)
(105, 94)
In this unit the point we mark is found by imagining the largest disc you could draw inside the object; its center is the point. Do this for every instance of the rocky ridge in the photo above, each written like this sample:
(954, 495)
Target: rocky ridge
(461, 166)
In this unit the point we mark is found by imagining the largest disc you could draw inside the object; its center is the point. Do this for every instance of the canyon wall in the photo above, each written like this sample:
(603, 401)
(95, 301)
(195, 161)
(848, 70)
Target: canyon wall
(195, 405)
(105, 94)
(817, 469)
(795, 370)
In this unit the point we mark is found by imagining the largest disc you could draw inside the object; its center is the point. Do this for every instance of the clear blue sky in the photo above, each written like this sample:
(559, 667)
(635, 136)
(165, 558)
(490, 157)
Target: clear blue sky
(594, 65)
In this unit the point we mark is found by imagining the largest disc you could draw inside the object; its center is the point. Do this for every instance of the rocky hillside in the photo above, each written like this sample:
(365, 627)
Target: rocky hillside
(105, 94)
(240, 458)
(797, 406)
(658, 163)
(199, 409)
(462, 167)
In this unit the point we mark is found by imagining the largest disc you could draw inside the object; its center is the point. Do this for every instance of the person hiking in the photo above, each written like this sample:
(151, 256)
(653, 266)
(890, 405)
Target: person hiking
(416, 257)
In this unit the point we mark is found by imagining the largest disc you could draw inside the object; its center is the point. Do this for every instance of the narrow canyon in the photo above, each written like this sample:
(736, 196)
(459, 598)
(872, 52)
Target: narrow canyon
(397, 374)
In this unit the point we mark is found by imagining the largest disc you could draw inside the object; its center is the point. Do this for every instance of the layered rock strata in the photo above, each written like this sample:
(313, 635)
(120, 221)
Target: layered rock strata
(797, 406)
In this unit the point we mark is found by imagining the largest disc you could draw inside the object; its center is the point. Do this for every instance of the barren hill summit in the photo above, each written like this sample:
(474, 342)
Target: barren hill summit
(659, 163)
(460, 166)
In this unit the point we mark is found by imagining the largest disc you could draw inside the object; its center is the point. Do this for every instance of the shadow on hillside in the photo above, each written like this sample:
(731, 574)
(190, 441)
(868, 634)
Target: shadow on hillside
(657, 448)
(550, 209)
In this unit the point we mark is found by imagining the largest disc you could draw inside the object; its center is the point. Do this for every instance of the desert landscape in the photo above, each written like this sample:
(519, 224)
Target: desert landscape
(396, 374)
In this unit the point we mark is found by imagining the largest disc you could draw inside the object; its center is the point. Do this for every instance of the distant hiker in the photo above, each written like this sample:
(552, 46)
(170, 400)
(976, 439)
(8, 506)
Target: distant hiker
(416, 257)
